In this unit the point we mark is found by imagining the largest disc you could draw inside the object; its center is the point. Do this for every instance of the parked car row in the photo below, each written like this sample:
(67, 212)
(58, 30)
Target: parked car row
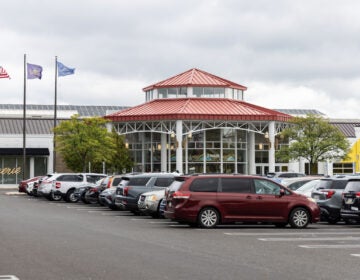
(210, 200)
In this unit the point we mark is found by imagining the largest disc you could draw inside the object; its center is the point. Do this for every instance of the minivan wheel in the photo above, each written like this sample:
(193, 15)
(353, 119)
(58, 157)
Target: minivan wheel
(208, 218)
(299, 218)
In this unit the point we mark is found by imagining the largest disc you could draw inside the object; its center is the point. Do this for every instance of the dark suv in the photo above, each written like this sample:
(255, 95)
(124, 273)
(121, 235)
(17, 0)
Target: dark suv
(126, 197)
(350, 209)
(209, 200)
(328, 196)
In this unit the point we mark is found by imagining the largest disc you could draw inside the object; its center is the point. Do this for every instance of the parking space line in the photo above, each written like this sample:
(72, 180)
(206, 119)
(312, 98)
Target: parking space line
(346, 238)
(291, 233)
(355, 255)
(84, 207)
(330, 246)
(164, 222)
(8, 277)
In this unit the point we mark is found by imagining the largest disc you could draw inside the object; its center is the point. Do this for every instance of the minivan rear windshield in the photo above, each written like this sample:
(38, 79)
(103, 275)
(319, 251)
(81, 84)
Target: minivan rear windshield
(353, 186)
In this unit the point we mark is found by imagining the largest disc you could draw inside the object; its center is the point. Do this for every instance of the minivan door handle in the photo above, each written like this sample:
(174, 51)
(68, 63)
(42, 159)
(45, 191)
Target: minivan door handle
(259, 197)
(249, 197)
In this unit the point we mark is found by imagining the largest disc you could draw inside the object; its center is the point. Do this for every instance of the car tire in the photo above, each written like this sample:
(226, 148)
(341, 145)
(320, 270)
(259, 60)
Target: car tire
(350, 221)
(208, 217)
(55, 197)
(299, 218)
(83, 199)
(113, 207)
(70, 196)
(333, 220)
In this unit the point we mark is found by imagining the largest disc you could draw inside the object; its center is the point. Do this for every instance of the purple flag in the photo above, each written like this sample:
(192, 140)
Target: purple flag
(34, 71)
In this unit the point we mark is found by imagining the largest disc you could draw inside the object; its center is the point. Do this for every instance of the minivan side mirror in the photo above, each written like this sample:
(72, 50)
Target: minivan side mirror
(282, 192)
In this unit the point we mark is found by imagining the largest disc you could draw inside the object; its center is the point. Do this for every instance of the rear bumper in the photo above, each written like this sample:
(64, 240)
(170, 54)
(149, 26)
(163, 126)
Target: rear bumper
(350, 214)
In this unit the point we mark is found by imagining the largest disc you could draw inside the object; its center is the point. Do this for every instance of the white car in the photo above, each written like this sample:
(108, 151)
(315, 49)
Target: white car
(62, 185)
(149, 202)
(308, 187)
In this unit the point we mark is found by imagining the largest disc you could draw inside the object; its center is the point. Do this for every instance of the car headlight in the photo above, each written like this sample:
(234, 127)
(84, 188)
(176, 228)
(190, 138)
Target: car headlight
(152, 198)
(311, 199)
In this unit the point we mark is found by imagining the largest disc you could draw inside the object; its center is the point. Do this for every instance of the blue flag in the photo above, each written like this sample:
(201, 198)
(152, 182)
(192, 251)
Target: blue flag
(64, 70)
(34, 71)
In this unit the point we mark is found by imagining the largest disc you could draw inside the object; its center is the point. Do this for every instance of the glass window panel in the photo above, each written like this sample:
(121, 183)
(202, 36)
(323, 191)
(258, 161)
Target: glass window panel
(204, 185)
(172, 92)
(208, 92)
(162, 92)
(183, 92)
(236, 185)
(198, 91)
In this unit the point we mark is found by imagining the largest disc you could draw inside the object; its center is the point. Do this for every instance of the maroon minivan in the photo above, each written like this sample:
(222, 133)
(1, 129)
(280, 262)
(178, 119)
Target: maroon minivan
(209, 200)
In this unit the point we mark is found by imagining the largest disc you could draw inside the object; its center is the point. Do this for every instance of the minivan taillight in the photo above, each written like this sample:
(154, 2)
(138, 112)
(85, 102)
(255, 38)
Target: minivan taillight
(125, 191)
(58, 185)
(328, 193)
(180, 195)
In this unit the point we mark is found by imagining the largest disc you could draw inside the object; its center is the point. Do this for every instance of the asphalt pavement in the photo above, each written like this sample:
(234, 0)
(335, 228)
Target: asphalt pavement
(41, 239)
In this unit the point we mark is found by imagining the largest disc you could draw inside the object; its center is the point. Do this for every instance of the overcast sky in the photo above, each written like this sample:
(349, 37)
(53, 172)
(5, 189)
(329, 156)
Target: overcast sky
(290, 54)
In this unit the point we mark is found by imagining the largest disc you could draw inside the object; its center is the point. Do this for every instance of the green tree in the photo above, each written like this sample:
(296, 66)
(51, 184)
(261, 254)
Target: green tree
(121, 160)
(81, 141)
(314, 139)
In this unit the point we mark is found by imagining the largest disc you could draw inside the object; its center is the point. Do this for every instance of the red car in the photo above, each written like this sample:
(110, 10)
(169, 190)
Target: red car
(24, 184)
(209, 200)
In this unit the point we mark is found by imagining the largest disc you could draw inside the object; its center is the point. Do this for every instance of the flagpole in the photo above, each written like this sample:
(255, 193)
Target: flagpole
(55, 117)
(24, 122)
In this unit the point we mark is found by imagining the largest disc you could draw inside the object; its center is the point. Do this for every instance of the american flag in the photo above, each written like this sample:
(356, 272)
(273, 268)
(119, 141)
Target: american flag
(3, 73)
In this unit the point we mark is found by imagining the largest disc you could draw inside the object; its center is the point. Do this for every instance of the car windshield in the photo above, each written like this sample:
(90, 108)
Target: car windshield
(175, 186)
(309, 185)
(353, 186)
(325, 184)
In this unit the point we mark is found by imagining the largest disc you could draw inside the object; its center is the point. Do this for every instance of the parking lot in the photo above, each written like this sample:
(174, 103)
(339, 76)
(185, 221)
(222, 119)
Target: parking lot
(57, 240)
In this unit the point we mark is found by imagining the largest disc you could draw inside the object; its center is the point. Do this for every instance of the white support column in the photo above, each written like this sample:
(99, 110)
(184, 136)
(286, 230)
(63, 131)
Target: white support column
(142, 137)
(163, 152)
(221, 151)
(109, 126)
(251, 152)
(179, 150)
(32, 167)
(271, 146)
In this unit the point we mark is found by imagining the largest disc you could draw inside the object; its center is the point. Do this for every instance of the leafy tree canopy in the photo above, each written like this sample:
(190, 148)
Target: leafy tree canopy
(81, 141)
(314, 139)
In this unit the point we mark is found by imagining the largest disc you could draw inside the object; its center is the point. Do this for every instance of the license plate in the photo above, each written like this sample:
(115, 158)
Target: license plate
(354, 208)
(316, 197)
(349, 201)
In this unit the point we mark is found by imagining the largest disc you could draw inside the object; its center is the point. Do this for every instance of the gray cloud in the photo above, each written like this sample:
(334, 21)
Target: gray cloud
(119, 47)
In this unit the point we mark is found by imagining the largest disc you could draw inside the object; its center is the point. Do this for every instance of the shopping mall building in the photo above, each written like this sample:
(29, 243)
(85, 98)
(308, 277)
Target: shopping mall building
(194, 122)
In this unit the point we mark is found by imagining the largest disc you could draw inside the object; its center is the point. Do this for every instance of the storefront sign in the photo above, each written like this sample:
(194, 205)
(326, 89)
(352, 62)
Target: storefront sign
(10, 171)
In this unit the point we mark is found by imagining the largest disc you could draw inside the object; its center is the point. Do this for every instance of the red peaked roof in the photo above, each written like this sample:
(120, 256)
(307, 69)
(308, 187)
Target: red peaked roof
(197, 109)
(195, 77)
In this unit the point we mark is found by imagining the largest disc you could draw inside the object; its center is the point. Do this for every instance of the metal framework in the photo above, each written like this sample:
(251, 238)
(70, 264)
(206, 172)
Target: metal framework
(168, 127)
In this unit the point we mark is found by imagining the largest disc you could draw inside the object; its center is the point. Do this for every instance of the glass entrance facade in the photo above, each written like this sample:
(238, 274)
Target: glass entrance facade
(207, 151)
